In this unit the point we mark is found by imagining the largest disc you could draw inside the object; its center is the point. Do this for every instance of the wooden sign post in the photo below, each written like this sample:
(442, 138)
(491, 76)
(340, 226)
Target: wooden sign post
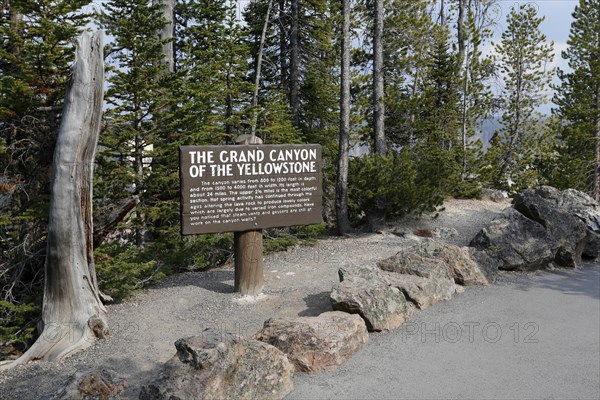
(248, 258)
(246, 188)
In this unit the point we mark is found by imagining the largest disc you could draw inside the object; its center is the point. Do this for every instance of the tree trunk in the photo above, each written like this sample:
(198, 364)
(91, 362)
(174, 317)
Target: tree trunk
(167, 32)
(442, 13)
(596, 192)
(294, 64)
(15, 19)
(341, 192)
(460, 31)
(73, 315)
(378, 105)
(259, 58)
(283, 44)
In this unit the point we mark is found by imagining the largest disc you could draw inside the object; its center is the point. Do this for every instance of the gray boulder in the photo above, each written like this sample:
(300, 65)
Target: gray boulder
(316, 344)
(493, 195)
(544, 206)
(366, 292)
(421, 273)
(517, 242)
(222, 366)
(487, 265)
(592, 246)
(583, 207)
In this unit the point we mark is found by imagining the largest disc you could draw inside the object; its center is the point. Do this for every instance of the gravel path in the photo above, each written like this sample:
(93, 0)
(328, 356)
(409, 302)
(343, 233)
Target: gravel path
(297, 283)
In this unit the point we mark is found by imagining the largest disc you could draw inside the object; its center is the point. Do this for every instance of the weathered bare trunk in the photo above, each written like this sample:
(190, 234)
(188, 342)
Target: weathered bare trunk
(73, 315)
(596, 192)
(378, 105)
(259, 58)
(167, 32)
(295, 63)
(341, 194)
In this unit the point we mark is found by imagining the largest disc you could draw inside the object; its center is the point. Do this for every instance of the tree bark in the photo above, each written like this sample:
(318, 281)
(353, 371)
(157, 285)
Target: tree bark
(283, 43)
(341, 193)
(378, 91)
(295, 64)
(167, 32)
(73, 315)
(596, 193)
(460, 31)
(259, 58)
(15, 19)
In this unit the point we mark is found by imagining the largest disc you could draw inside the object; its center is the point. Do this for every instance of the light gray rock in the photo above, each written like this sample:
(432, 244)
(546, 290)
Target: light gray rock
(463, 265)
(420, 273)
(517, 242)
(422, 292)
(222, 366)
(365, 291)
(444, 232)
(493, 195)
(316, 344)
(418, 258)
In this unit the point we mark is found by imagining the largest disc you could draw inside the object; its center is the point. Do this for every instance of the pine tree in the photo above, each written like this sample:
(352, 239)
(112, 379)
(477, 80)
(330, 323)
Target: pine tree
(578, 100)
(138, 97)
(408, 39)
(476, 98)
(214, 56)
(522, 141)
(438, 148)
(301, 62)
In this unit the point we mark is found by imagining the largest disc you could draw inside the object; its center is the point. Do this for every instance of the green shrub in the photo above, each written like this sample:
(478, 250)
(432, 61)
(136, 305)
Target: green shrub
(17, 322)
(123, 269)
(391, 185)
(281, 239)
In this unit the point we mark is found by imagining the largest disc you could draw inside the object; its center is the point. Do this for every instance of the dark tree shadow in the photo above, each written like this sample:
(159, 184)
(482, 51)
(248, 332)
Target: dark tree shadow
(583, 281)
(218, 281)
(316, 304)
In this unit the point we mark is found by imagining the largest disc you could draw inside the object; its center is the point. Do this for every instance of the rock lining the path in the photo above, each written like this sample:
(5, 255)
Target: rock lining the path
(316, 344)
(366, 292)
(218, 365)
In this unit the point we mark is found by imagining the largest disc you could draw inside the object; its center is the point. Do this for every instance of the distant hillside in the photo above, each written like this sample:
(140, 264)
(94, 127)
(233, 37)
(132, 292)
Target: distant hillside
(485, 132)
(487, 129)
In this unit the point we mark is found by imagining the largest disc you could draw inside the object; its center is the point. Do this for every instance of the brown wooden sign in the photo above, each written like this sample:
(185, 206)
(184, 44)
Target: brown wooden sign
(241, 188)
